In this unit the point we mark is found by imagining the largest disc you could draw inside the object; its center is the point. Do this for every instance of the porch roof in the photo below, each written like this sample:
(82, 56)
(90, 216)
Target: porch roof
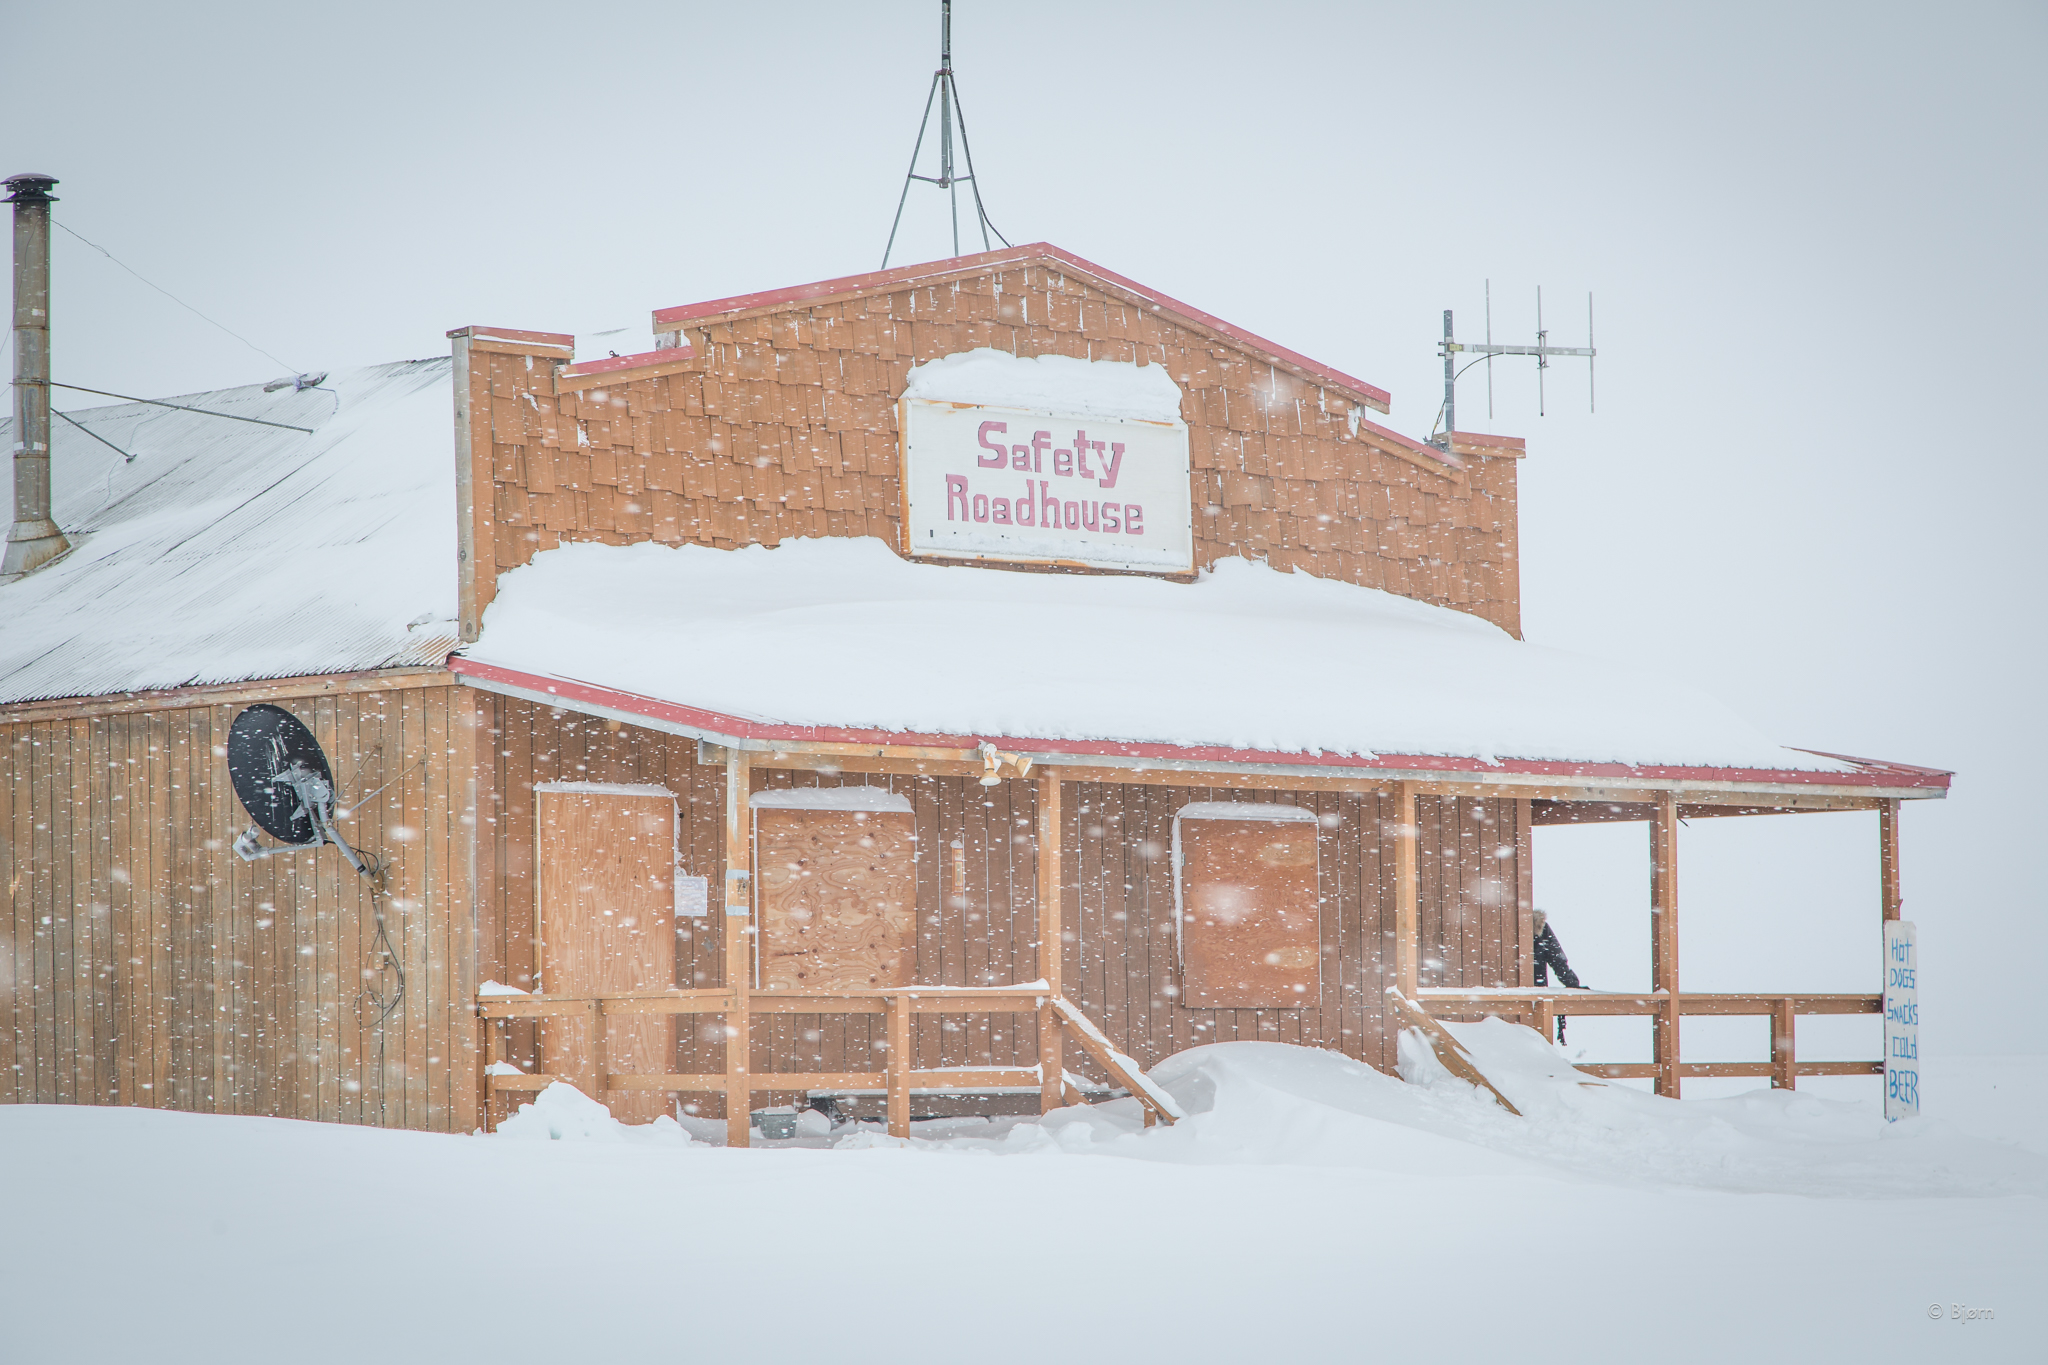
(841, 641)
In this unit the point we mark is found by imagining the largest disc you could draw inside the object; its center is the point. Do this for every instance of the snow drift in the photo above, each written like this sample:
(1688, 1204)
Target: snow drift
(1280, 1105)
(1308, 1208)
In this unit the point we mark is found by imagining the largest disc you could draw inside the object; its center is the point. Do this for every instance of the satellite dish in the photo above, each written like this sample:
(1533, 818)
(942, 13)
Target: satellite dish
(284, 782)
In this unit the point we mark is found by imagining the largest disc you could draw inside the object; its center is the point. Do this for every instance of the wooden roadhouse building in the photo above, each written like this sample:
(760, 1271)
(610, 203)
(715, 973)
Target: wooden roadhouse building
(979, 679)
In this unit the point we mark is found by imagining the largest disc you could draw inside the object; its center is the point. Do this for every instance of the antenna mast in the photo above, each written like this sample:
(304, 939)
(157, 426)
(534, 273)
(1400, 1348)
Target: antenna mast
(947, 95)
(1487, 350)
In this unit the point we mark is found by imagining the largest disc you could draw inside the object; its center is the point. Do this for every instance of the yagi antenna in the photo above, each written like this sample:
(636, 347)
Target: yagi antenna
(947, 94)
(1487, 350)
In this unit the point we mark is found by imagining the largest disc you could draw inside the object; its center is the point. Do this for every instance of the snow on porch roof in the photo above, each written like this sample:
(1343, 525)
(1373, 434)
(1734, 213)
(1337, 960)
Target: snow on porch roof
(228, 551)
(841, 639)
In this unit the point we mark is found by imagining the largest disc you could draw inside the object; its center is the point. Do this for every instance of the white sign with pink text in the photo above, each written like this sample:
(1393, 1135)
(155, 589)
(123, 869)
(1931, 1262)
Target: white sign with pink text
(1076, 482)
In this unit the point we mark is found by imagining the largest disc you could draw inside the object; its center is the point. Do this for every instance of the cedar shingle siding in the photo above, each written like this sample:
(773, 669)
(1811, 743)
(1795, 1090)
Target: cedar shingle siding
(784, 424)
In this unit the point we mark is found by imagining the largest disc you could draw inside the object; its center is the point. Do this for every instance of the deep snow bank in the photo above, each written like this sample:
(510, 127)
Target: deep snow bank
(1275, 1104)
(1257, 1229)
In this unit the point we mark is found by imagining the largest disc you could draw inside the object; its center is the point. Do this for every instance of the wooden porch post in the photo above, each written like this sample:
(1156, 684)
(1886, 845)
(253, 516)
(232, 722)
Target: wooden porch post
(1664, 939)
(1888, 857)
(1784, 1045)
(1052, 1066)
(739, 957)
(896, 1064)
(1544, 1013)
(1407, 892)
(1525, 897)
(493, 1053)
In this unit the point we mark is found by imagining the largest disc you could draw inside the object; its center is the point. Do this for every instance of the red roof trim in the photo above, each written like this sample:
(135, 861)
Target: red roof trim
(1872, 774)
(666, 319)
(1410, 443)
(513, 334)
(584, 368)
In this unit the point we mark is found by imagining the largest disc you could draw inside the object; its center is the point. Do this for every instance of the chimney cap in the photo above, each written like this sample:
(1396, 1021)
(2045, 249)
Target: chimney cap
(30, 187)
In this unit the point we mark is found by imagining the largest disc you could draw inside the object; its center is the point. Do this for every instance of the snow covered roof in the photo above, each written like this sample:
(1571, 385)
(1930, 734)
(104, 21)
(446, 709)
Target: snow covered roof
(227, 551)
(843, 639)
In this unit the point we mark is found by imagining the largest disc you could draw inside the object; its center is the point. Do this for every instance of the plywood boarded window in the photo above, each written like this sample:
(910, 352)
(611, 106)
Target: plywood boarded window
(607, 864)
(1246, 895)
(837, 899)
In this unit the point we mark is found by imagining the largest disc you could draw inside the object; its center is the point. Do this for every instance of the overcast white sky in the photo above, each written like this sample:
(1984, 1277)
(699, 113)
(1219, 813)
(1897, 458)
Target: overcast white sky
(1814, 481)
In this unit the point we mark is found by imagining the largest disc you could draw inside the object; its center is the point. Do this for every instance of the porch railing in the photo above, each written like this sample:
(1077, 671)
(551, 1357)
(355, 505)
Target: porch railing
(1539, 1007)
(897, 1078)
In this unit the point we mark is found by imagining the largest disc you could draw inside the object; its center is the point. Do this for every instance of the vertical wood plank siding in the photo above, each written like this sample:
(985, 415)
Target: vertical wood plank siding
(977, 902)
(142, 963)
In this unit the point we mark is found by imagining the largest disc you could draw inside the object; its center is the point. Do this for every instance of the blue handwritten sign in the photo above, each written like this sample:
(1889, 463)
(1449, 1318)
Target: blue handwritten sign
(1901, 1021)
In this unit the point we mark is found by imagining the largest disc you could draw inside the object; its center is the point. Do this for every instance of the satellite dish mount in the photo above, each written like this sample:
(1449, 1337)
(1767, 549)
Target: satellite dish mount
(283, 781)
(281, 776)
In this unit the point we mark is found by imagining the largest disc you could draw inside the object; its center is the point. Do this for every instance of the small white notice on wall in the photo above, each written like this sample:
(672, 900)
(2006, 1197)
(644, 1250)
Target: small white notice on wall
(1901, 1021)
(1047, 460)
(693, 896)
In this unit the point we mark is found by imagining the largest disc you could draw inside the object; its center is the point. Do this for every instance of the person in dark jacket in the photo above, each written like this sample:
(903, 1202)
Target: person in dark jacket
(1550, 956)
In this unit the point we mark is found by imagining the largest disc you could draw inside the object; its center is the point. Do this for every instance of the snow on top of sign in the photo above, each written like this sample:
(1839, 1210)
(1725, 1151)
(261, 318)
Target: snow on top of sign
(1049, 383)
(842, 632)
(227, 550)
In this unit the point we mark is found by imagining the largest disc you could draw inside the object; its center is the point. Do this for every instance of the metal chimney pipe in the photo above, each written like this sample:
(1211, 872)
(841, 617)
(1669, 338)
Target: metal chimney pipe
(35, 539)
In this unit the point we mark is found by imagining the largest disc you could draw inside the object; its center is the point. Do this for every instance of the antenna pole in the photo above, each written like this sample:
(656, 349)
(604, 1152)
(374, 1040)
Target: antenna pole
(945, 92)
(946, 180)
(1489, 357)
(911, 174)
(1542, 360)
(1591, 405)
(1450, 382)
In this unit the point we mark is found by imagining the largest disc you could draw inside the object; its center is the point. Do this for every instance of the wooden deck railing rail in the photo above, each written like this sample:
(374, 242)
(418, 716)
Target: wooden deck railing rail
(896, 1078)
(1540, 1007)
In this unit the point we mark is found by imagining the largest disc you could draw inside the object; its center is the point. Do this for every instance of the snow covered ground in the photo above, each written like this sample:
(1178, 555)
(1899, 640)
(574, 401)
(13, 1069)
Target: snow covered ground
(1310, 1208)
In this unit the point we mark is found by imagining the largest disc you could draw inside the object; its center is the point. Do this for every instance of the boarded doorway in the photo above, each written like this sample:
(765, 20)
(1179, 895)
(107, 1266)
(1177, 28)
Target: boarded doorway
(607, 859)
(837, 908)
(1246, 891)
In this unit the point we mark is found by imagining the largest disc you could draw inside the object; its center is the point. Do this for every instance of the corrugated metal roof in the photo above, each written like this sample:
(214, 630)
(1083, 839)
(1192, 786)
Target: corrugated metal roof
(227, 551)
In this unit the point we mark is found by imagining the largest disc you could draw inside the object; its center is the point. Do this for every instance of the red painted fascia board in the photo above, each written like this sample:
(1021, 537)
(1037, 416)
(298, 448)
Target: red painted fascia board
(1887, 765)
(1875, 775)
(875, 281)
(627, 362)
(1410, 443)
(510, 334)
(1235, 333)
(882, 280)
